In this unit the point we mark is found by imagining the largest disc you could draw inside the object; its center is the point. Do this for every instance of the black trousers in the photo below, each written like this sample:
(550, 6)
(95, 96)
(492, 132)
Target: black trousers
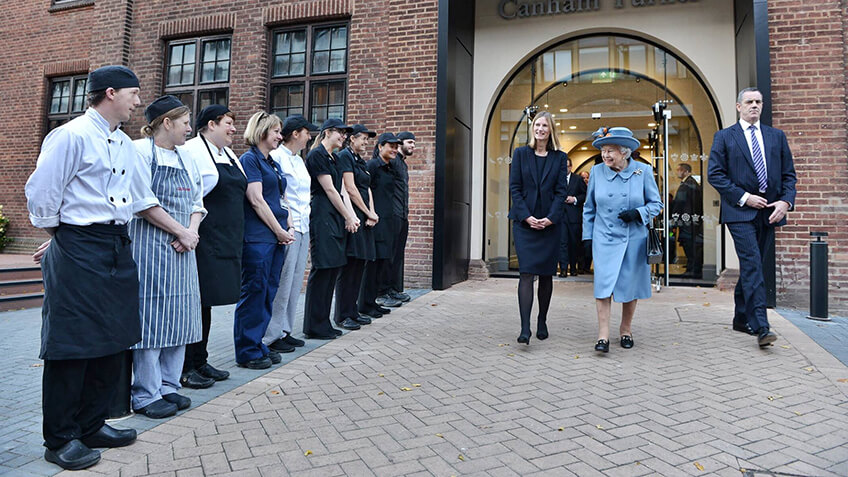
(319, 299)
(370, 283)
(394, 273)
(75, 396)
(196, 353)
(347, 289)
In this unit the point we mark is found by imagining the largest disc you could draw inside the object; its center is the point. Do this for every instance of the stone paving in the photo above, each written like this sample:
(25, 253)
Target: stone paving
(441, 388)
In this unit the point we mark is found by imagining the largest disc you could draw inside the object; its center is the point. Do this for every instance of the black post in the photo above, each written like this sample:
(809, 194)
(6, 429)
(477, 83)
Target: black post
(120, 405)
(818, 278)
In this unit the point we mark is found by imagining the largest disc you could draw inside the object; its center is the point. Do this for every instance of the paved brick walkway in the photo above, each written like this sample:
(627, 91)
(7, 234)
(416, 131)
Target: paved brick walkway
(441, 388)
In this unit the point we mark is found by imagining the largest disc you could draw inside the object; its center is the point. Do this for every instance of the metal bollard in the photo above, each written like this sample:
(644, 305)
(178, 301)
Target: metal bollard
(818, 278)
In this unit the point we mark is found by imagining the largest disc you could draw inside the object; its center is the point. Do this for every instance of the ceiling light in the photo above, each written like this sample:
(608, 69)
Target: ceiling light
(546, 106)
(563, 110)
(652, 125)
(584, 148)
(646, 147)
(572, 127)
(557, 124)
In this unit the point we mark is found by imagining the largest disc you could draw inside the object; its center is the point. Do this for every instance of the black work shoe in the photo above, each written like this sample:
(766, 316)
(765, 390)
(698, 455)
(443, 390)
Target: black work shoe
(383, 310)
(390, 302)
(744, 329)
(108, 436)
(158, 409)
(258, 363)
(372, 314)
(274, 357)
(349, 324)
(73, 456)
(362, 320)
(336, 331)
(766, 338)
(208, 371)
(289, 339)
(280, 346)
(311, 336)
(181, 401)
(194, 380)
(400, 296)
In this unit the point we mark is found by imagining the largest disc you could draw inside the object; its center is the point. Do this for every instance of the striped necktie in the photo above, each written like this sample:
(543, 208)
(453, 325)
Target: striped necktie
(759, 161)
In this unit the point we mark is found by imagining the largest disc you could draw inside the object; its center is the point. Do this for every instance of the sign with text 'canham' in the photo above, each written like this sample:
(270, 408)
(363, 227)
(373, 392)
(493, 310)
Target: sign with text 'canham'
(512, 9)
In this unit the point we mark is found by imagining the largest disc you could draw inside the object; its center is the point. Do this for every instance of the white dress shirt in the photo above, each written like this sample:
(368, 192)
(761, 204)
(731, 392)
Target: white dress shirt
(759, 133)
(141, 185)
(83, 175)
(195, 150)
(297, 186)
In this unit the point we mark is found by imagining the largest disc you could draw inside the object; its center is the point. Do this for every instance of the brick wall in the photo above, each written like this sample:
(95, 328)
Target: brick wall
(392, 75)
(809, 57)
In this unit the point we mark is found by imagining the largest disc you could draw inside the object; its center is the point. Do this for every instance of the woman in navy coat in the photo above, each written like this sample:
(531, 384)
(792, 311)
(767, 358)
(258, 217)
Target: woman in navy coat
(621, 200)
(537, 180)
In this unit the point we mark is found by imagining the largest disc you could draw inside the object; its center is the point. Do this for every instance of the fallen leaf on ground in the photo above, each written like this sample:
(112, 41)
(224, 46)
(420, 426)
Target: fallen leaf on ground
(275, 392)
(511, 355)
(502, 345)
(308, 453)
(406, 389)
(432, 304)
(416, 385)
(577, 356)
(798, 413)
(707, 304)
(460, 457)
(785, 347)
(600, 427)
(439, 435)
(380, 393)
(772, 398)
(699, 466)
(36, 365)
(561, 429)
(810, 369)
(381, 375)
(842, 380)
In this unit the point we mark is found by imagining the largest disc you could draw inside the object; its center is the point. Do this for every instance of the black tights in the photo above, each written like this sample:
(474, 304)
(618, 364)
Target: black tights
(525, 298)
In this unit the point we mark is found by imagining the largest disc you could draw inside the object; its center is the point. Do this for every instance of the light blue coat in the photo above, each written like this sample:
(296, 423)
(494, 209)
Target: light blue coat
(619, 249)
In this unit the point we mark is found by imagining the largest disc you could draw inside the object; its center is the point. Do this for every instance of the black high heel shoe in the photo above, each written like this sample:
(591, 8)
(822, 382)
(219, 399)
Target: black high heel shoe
(602, 346)
(522, 338)
(542, 331)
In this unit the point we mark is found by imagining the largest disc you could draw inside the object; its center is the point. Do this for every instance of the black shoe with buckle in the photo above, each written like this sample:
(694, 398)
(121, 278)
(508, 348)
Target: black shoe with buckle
(73, 456)
(194, 380)
(602, 346)
(210, 372)
(626, 341)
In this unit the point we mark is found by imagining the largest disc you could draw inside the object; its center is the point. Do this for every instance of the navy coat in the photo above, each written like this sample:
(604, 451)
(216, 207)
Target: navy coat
(540, 196)
(577, 188)
(731, 171)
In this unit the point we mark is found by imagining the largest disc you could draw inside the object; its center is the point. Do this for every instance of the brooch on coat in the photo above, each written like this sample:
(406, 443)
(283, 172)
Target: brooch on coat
(638, 172)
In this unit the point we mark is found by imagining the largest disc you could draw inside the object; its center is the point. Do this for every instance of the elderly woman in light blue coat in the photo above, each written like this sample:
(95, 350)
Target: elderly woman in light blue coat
(621, 200)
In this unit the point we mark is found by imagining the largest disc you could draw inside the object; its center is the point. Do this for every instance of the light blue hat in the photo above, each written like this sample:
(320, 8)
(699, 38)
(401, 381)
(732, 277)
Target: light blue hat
(619, 136)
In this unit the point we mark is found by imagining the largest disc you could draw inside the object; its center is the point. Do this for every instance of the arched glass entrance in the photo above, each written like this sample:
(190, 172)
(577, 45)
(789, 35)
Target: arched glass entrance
(611, 80)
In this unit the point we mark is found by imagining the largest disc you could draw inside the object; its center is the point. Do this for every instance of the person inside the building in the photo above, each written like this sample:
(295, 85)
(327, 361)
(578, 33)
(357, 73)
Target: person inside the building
(392, 294)
(621, 200)
(219, 252)
(90, 310)
(278, 337)
(570, 243)
(168, 203)
(537, 185)
(329, 218)
(584, 255)
(360, 244)
(383, 184)
(687, 210)
(267, 230)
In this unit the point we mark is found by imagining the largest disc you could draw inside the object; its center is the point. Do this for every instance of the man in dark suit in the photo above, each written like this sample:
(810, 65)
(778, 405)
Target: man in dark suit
(687, 209)
(570, 243)
(751, 168)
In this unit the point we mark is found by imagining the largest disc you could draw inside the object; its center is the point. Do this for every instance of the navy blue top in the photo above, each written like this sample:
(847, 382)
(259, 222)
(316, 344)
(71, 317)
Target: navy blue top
(259, 168)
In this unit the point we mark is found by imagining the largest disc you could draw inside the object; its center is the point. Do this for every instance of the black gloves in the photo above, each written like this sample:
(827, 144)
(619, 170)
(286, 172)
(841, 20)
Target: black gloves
(630, 215)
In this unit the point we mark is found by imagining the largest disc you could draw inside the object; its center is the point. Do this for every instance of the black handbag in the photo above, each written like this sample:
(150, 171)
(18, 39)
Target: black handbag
(655, 246)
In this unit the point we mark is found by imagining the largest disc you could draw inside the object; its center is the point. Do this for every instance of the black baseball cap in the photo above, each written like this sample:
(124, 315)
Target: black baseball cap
(388, 137)
(335, 123)
(361, 129)
(404, 135)
(295, 122)
(210, 113)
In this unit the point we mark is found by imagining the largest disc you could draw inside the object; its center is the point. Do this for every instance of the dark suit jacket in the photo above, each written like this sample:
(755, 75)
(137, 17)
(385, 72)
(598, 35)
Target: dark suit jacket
(577, 188)
(731, 171)
(534, 195)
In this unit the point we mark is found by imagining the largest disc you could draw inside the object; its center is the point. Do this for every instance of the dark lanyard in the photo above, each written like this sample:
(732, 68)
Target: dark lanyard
(271, 162)
(208, 149)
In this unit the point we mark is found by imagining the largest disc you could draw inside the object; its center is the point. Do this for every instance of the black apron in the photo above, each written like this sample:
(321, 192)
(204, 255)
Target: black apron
(90, 293)
(221, 236)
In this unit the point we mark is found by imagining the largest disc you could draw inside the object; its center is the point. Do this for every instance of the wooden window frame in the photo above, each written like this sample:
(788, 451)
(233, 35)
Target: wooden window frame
(197, 87)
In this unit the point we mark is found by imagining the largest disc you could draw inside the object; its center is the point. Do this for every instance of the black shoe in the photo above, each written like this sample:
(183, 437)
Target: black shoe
(108, 436)
(744, 329)
(400, 296)
(289, 339)
(372, 314)
(274, 357)
(73, 456)
(562, 274)
(349, 324)
(310, 336)
(602, 346)
(362, 320)
(542, 331)
(626, 341)
(158, 409)
(181, 401)
(390, 302)
(766, 338)
(280, 346)
(383, 310)
(258, 363)
(524, 338)
(380, 299)
(210, 372)
(574, 273)
(194, 380)
(336, 331)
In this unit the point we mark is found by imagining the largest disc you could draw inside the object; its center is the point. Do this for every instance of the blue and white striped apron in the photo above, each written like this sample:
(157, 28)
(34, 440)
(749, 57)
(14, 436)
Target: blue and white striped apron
(169, 293)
